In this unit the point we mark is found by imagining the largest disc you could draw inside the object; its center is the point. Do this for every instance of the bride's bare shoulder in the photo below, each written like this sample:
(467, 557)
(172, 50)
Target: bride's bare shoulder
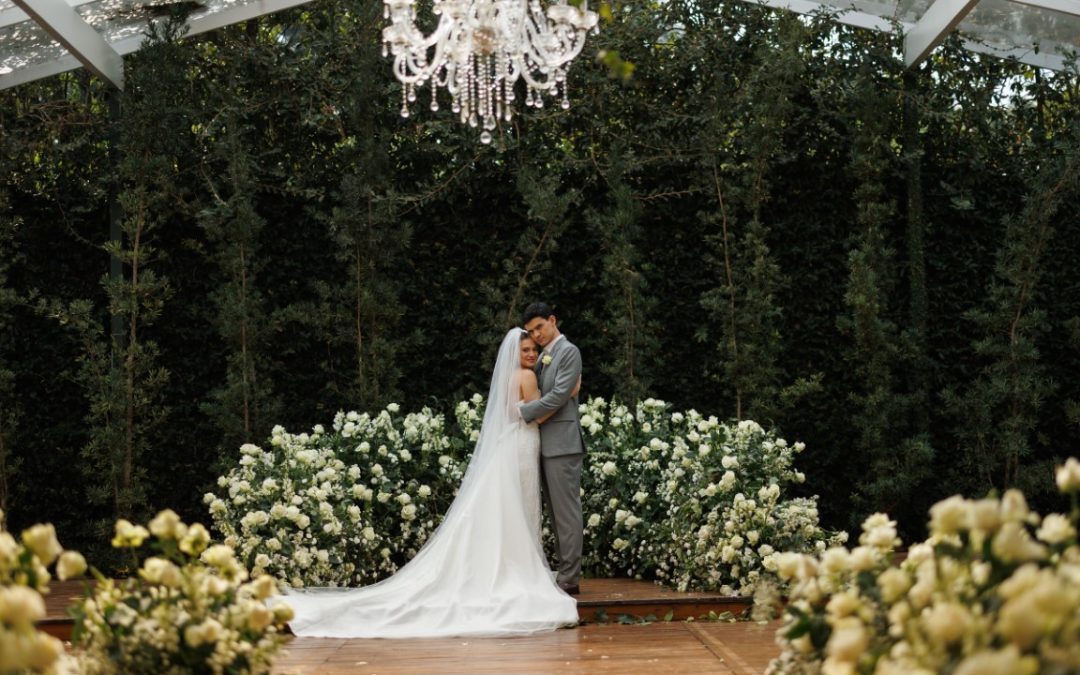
(526, 375)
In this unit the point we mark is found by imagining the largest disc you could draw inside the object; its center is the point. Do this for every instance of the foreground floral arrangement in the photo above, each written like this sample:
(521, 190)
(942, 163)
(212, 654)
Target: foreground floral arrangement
(668, 495)
(191, 608)
(995, 589)
(24, 578)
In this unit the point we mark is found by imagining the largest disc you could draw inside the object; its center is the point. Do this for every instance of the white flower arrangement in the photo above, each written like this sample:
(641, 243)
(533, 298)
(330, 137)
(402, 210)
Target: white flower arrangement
(192, 608)
(672, 496)
(688, 500)
(995, 589)
(344, 506)
(24, 578)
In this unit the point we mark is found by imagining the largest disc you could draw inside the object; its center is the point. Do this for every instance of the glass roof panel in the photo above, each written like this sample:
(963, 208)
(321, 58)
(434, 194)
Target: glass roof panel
(1008, 25)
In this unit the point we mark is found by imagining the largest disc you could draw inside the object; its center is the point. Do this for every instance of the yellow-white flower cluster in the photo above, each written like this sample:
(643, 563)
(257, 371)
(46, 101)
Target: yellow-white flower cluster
(192, 608)
(995, 589)
(24, 578)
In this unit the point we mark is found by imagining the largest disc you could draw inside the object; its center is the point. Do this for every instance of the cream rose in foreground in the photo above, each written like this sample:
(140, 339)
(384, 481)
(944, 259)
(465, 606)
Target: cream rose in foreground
(994, 590)
(23, 579)
(1068, 476)
(186, 596)
(41, 540)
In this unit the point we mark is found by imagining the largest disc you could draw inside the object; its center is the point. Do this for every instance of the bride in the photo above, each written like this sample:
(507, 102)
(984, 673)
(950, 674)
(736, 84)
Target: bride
(483, 571)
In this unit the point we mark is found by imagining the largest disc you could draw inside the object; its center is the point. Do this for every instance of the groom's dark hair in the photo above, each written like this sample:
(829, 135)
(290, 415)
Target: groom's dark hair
(536, 309)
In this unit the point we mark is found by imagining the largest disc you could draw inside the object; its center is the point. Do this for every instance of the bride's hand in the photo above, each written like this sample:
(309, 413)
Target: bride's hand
(577, 388)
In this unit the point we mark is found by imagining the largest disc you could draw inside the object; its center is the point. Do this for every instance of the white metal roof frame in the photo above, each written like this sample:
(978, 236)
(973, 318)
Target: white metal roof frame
(47, 37)
(85, 46)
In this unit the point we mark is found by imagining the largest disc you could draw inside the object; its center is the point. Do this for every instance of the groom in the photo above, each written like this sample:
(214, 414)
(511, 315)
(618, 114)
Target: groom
(562, 444)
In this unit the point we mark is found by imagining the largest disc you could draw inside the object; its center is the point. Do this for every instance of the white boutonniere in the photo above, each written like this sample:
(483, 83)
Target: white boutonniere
(546, 360)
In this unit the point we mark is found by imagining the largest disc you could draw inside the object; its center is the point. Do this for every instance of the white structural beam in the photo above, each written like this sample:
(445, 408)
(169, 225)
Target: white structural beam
(239, 14)
(1063, 6)
(10, 16)
(65, 26)
(850, 17)
(199, 24)
(940, 18)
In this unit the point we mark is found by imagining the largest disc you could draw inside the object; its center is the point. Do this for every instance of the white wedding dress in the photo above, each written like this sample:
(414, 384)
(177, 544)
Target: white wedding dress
(482, 572)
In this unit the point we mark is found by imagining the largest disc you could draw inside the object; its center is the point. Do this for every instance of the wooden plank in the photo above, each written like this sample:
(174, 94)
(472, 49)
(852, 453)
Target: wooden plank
(746, 647)
(651, 648)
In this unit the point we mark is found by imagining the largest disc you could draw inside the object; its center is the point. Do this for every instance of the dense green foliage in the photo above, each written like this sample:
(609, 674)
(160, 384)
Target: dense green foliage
(769, 220)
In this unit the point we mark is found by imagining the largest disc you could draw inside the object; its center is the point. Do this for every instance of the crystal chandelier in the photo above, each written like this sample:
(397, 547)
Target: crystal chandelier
(481, 48)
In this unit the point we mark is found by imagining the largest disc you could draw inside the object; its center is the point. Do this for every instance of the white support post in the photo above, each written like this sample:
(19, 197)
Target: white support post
(940, 18)
(65, 26)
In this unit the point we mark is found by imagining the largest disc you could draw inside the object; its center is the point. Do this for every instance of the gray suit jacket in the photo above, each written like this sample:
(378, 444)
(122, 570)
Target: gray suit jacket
(561, 434)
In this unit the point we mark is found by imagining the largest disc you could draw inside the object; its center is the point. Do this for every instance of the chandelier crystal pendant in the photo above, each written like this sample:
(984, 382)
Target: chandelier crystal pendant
(481, 48)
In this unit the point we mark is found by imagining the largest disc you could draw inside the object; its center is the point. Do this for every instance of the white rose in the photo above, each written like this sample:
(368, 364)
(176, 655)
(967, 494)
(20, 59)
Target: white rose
(1068, 475)
(369, 533)
(950, 516)
(1012, 543)
(20, 606)
(835, 560)
(843, 604)
(609, 468)
(70, 565)
(408, 512)
(863, 558)
(42, 542)
(946, 621)
(894, 583)
(848, 641)
(594, 520)
(424, 491)
(161, 571)
(1014, 507)
(1006, 660)
(1055, 529)
(985, 515)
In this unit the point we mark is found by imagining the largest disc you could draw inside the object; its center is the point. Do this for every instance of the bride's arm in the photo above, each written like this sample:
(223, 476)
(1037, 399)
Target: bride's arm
(531, 392)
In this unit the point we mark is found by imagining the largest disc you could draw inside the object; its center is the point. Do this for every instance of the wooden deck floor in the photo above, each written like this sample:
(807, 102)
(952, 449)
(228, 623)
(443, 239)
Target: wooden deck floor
(738, 648)
(675, 646)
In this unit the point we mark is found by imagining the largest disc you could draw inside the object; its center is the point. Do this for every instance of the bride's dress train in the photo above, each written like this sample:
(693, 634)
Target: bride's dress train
(483, 572)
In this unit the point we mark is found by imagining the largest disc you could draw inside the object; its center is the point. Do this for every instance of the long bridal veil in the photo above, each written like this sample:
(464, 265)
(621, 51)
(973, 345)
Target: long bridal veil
(482, 572)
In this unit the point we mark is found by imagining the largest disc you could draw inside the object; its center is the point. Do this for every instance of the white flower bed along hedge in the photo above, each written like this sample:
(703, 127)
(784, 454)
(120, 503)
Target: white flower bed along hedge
(668, 495)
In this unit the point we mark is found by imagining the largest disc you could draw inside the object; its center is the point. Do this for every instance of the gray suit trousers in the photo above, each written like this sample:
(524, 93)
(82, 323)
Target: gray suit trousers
(560, 479)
